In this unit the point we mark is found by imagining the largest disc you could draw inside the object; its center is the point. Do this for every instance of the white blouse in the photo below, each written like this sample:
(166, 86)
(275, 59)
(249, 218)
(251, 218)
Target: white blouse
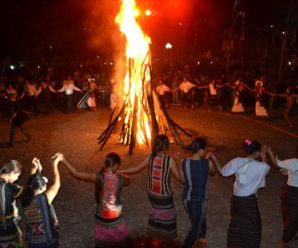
(250, 175)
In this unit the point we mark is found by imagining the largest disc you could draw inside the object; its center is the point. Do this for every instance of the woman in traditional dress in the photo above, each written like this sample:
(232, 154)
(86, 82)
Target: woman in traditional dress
(92, 93)
(10, 234)
(289, 201)
(245, 227)
(260, 92)
(162, 214)
(238, 105)
(110, 229)
(194, 172)
(37, 207)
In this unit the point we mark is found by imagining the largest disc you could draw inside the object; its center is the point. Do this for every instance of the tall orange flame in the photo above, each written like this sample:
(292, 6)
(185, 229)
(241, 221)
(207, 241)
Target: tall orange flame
(137, 79)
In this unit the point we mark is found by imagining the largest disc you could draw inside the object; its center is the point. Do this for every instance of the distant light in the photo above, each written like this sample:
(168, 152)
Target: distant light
(38, 67)
(97, 56)
(211, 62)
(180, 23)
(148, 12)
(111, 63)
(198, 63)
(12, 67)
(283, 32)
(168, 46)
(289, 63)
(81, 65)
(271, 26)
(51, 48)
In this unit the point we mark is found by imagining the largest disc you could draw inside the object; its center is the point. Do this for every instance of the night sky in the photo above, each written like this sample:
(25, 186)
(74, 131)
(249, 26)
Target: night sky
(29, 25)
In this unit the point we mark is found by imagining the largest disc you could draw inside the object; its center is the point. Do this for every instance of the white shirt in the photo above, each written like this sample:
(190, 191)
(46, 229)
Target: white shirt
(185, 86)
(250, 175)
(162, 89)
(292, 166)
(68, 89)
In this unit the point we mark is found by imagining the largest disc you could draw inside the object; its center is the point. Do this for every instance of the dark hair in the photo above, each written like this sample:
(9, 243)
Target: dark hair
(198, 144)
(12, 165)
(35, 181)
(160, 143)
(112, 159)
(251, 146)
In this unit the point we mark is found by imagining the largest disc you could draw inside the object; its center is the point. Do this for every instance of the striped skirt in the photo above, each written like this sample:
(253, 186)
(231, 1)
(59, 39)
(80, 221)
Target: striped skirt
(245, 226)
(289, 201)
(10, 235)
(162, 217)
(111, 233)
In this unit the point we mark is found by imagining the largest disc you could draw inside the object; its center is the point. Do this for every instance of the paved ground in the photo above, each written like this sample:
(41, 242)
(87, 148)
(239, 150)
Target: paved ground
(75, 135)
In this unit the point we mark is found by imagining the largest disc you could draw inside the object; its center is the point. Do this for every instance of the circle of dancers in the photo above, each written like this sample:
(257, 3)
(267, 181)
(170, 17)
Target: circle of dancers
(32, 204)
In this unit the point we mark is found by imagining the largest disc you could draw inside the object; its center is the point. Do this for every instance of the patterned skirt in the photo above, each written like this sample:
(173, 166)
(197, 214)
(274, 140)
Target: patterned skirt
(245, 226)
(162, 217)
(111, 233)
(10, 236)
(289, 201)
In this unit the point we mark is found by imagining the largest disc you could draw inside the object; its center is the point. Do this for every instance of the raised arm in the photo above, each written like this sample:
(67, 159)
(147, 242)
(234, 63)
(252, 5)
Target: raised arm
(78, 175)
(135, 169)
(213, 163)
(53, 189)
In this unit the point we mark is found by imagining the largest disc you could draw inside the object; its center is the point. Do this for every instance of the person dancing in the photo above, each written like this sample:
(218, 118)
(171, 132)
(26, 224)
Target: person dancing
(110, 229)
(162, 214)
(10, 234)
(245, 226)
(194, 172)
(37, 207)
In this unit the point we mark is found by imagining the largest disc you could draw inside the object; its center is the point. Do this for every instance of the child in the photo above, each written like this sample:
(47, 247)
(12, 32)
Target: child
(194, 173)
(36, 206)
(10, 235)
(110, 229)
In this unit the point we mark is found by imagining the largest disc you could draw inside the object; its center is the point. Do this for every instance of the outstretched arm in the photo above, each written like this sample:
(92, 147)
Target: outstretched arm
(78, 175)
(213, 163)
(53, 190)
(136, 168)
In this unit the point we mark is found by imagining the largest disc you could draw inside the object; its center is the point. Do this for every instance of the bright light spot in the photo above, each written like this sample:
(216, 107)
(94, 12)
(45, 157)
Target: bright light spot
(180, 24)
(111, 63)
(283, 32)
(51, 48)
(168, 46)
(81, 65)
(148, 12)
(12, 67)
(198, 62)
(289, 63)
(97, 57)
(38, 67)
(211, 62)
(271, 26)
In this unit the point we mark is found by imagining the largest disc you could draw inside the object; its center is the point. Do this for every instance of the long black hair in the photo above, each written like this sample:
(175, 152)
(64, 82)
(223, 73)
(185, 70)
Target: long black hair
(35, 181)
(160, 143)
(111, 160)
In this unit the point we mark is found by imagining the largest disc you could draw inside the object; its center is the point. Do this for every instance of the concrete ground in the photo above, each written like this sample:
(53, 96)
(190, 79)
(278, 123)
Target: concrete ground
(75, 135)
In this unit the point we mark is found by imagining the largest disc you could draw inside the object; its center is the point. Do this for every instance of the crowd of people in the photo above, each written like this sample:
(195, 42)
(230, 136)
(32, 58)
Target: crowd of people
(34, 201)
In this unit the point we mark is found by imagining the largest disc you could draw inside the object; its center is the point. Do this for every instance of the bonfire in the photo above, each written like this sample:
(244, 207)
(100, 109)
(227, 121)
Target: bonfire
(138, 115)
